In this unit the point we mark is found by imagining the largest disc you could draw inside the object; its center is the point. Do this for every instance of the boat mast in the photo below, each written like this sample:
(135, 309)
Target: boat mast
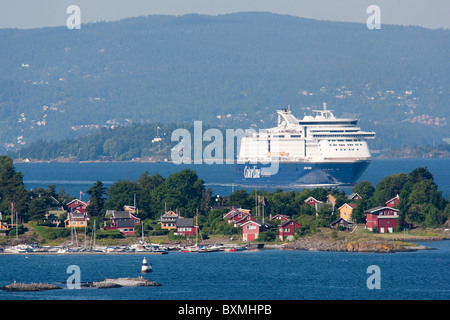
(262, 205)
(196, 232)
(12, 215)
(256, 201)
(94, 234)
(13, 211)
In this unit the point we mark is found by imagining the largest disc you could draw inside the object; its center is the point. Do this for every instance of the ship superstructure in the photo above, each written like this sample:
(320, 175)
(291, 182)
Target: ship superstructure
(319, 149)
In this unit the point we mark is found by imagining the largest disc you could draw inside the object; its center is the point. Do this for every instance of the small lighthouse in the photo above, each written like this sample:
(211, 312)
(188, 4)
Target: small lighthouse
(145, 268)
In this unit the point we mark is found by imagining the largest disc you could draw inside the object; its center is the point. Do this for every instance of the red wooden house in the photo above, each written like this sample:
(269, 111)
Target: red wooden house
(286, 230)
(251, 230)
(185, 226)
(393, 202)
(123, 221)
(77, 205)
(385, 219)
(76, 214)
(312, 201)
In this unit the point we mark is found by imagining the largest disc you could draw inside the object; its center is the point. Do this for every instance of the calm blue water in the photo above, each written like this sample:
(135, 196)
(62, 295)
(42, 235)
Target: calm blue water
(76, 177)
(267, 274)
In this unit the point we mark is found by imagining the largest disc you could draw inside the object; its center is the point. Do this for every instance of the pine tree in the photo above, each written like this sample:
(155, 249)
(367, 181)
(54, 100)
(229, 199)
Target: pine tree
(97, 192)
(12, 188)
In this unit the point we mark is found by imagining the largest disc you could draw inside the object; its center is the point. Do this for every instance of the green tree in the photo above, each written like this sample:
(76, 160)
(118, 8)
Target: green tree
(240, 199)
(121, 193)
(420, 174)
(145, 185)
(364, 188)
(41, 201)
(96, 201)
(358, 215)
(182, 190)
(388, 188)
(12, 188)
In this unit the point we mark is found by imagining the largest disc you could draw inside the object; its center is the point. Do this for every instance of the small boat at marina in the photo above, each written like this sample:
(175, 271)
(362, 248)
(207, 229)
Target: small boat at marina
(233, 248)
(188, 249)
(148, 248)
(212, 248)
(204, 249)
(62, 250)
(23, 248)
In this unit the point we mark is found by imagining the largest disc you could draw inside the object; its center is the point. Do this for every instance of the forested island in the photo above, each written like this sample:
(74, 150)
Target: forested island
(153, 142)
(421, 206)
(418, 152)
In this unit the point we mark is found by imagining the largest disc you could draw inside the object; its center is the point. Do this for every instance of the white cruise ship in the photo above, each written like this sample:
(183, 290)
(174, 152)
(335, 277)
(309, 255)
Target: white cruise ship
(317, 150)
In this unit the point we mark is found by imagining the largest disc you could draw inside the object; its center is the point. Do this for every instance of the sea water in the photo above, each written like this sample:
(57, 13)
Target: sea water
(267, 274)
(76, 177)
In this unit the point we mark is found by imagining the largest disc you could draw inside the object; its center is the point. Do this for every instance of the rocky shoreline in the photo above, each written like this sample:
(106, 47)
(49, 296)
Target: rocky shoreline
(105, 284)
(343, 242)
(19, 286)
(122, 282)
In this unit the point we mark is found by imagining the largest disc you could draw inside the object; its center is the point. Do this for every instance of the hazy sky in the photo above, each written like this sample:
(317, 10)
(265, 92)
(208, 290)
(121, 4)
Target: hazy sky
(44, 13)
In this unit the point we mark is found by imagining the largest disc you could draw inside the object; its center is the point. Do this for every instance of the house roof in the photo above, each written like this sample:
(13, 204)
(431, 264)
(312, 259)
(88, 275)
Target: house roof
(257, 222)
(76, 216)
(170, 214)
(284, 223)
(76, 202)
(351, 205)
(377, 209)
(185, 222)
(244, 214)
(234, 211)
(118, 214)
(244, 217)
(280, 216)
(353, 196)
(341, 219)
(396, 197)
(312, 198)
(125, 224)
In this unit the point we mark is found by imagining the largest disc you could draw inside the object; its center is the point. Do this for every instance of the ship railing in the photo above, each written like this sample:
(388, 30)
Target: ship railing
(368, 135)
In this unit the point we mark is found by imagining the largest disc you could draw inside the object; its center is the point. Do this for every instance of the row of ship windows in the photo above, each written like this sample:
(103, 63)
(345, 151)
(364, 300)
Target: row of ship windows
(282, 136)
(343, 145)
(346, 140)
(350, 149)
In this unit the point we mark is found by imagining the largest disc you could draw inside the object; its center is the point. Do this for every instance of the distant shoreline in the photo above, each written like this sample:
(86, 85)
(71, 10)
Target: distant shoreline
(67, 160)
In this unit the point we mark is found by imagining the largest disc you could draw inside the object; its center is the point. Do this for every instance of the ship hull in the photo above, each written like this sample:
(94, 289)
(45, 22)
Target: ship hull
(299, 173)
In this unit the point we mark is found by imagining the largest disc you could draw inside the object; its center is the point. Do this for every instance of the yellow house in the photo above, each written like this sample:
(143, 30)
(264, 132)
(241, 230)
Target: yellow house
(76, 220)
(331, 200)
(169, 220)
(345, 211)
